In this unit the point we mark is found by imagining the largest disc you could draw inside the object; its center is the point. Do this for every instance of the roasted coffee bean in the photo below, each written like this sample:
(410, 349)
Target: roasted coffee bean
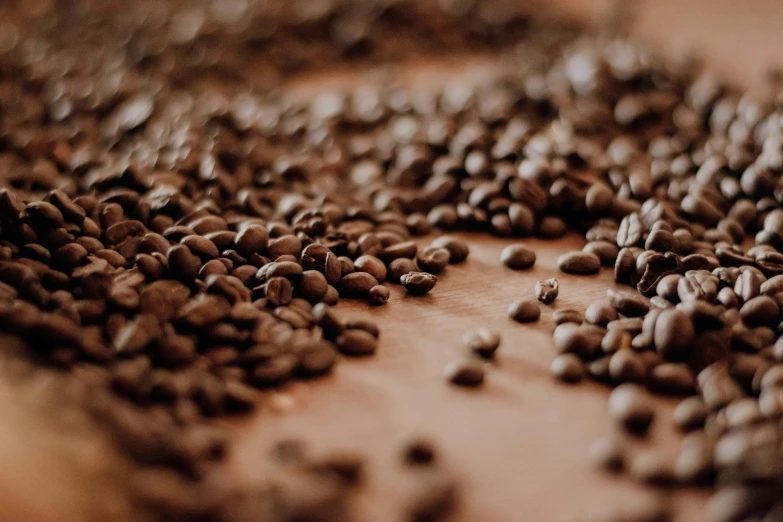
(608, 453)
(673, 334)
(567, 315)
(600, 313)
(356, 342)
(630, 406)
(547, 290)
(671, 378)
(579, 263)
(518, 257)
(278, 291)
(625, 266)
(582, 340)
(567, 368)
(616, 339)
(690, 414)
(524, 310)
(457, 248)
(312, 286)
(760, 311)
(378, 295)
(418, 451)
(629, 304)
(465, 373)
(432, 260)
(400, 267)
(418, 283)
(630, 231)
(607, 252)
(748, 286)
(357, 284)
(626, 366)
(483, 342)
(371, 265)
(650, 468)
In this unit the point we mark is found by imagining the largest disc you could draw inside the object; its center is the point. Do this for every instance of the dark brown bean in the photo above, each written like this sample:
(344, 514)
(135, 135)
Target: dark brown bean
(567, 368)
(418, 283)
(357, 284)
(432, 260)
(579, 263)
(483, 342)
(547, 290)
(356, 342)
(631, 407)
(524, 310)
(465, 373)
(457, 248)
(518, 257)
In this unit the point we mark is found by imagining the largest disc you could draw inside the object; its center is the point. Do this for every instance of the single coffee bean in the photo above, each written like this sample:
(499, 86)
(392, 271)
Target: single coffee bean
(625, 267)
(650, 468)
(673, 334)
(748, 286)
(760, 311)
(630, 405)
(629, 304)
(418, 451)
(432, 260)
(615, 340)
(418, 283)
(690, 414)
(607, 252)
(567, 368)
(378, 295)
(582, 340)
(400, 267)
(356, 343)
(465, 373)
(312, 285)
(371, 265)
(483, 342)
(608, 453)
(567, 315)
(630, 231)
(671, 378)
(582, 263)
(600, 313)
(357, 284)
(457, 248)
(547, 290)
(626, 366)
(518, 257)
(524, 310)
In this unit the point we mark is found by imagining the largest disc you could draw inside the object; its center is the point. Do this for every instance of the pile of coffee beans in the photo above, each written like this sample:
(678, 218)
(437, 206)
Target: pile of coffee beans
(174, 230)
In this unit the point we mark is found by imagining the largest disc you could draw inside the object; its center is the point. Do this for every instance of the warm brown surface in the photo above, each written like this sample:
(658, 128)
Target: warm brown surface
(519, 444)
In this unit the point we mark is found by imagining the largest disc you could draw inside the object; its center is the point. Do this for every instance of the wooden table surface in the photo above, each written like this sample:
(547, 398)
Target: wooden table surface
(519, 444)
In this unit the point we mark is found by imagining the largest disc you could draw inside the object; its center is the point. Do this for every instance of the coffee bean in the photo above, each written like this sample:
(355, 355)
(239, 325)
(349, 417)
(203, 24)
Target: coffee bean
(418, 451)
(483, 342)
(607, 252)
(690, 414)
(547, 290)
(748, 286)
(432, 260)
(518, 257)
(378, 295)
(567, 315)
(579, 263)
(627, 303)
(760, 311)
(312, 286)
(626, 366)
(582, 340)
(625, 266)
(400, 267)
(524, 310)
(371, 265)
(608, 453)
(671, 378)
(418, 283)
(630, 406)
(356, 342)
(600, 313)
(630, 231)
(567, 368)
(673, 334)
(457, 248)
(278, 291)
(465, 373)
(357, 284)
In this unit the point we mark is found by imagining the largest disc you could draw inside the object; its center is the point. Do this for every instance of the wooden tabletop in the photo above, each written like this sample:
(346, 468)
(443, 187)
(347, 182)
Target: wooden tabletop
(519, 444)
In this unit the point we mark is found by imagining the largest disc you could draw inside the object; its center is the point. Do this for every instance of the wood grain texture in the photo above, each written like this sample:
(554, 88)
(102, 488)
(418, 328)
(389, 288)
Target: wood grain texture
(519, 444)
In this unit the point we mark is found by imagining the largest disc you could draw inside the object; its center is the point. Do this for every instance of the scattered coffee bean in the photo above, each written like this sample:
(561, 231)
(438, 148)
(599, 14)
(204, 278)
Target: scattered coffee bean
(567, 368)
(418, 283)
(378, 295)
(524, 310)
(579, 263)
(518, 257)
(630, 405)
(567, 315)
(457, 248)
(547, 290)
(465, 373)
(483, 342)
(608, 454)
